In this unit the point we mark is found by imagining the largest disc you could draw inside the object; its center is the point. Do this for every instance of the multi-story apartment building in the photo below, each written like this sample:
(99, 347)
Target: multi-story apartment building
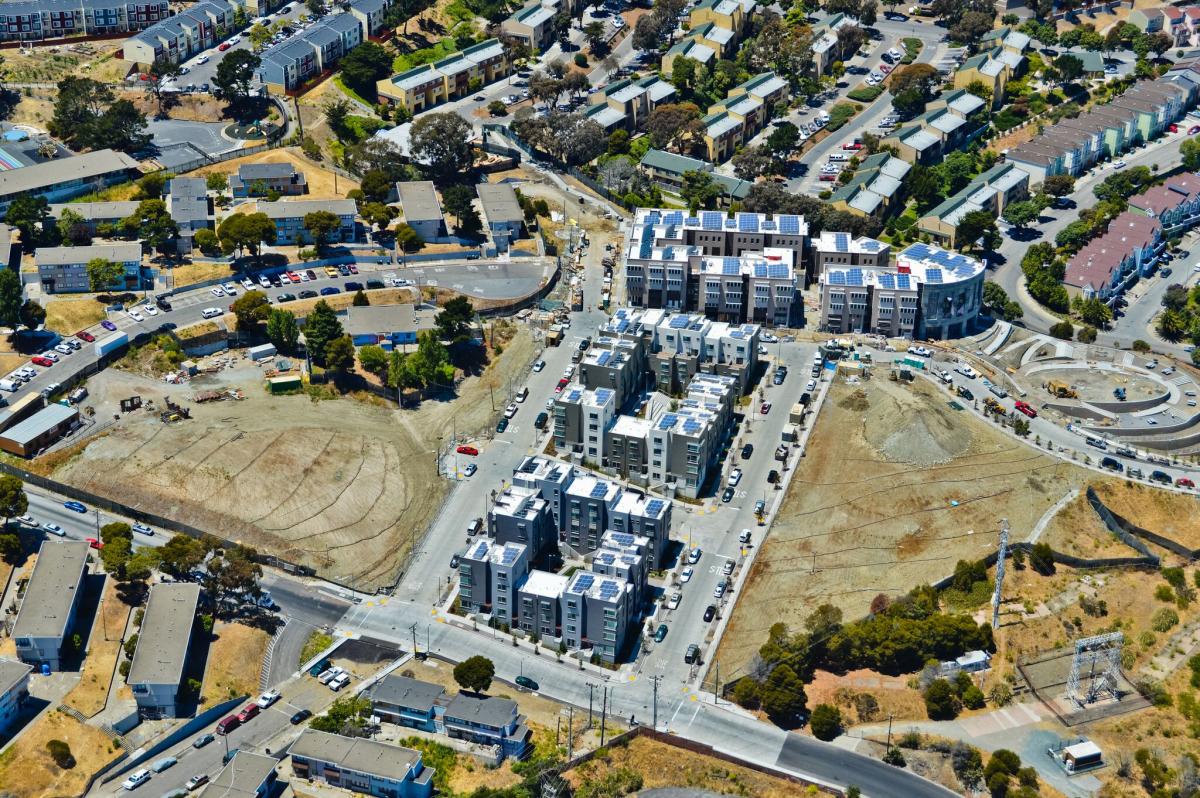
(630, 101)
(164, 640)
(929, 293)
(843, 249)
(179, 37)
(684, 444)
(876, 188)
(667, 170)
(405, 702)
(716, 42)
(187, 202)
(50, 602)
(488, 720)
(421, 208)
(370, 14)
(533, 25)
(642, 517)
(288, 65)
(539, 603)
(451, 78)
(260, 179)
(597, 612)
(63, 179)
(625, 557)
(288, 216)
(992, 191)
(360, 765)
(14, 690)
(684, 344)
(581, 417)
(1109, 264)
(625, 445)
(588, 502)
(519, 514)
(755, 286)
(549, 478)
(33, 20)
(618, 364)
(64, 269)
(488, 576)
(729, 14)
(1175, 204)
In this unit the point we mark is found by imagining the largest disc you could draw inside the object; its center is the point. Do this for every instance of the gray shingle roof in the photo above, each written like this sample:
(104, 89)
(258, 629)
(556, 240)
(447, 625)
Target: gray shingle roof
(42, 176)
(485, 710)
(407, 693)
(357, 754)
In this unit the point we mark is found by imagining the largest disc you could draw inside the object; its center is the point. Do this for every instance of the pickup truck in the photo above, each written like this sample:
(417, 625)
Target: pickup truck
(1026, 408)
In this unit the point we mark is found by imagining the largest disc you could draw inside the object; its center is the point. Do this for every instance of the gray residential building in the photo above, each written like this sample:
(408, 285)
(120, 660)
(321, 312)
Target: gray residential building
(361, 765)
(14, 690)
(520, 515)
(616, 363)
(551, 479)
(581, 419)
(180, 36)
(588, 503)
(370, 14)
(156, 675)
(33, 20)
(684, 444)
(405, 702)
(596, 613)
(190, 208)
(288, 216)
(63, 270)
(488, 720)
(844, 250)
(625, 446)
(62, 179)
(539, 601)
(641, 517)
(261, 179)
(501, 213)
(246, 776)
(686, 344)
(421, 209)
(488, 576)
(50, 602)
(289, 65)
(625, 557)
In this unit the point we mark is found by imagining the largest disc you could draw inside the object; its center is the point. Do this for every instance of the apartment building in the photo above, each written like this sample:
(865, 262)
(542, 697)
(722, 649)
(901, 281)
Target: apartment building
(588, 501)
(551, 479)
(626, 557)
(488, 576)
(625, 447)
(581, 417)
(825, 48)
(994, 68)
(533, 25)
(991, 191)
(291, 63)
(667, 170)
(929, 293)
(716, 233)
(754, 287)
(488, 720)
(14, 690)
(876, 188)
(405, 702)
(1109, 264)
(63, 270)
(1175, 204)
(501, 213)
(597, 612)
(683, 446)
(618, 364)
(694, 49)
(63, 179)
(426, 86)
(370, 14)
(246, 776)
(729, 14)
(261, 179)
(360, 765)
(421, 208)
(539, 604)
(34, 20)
(684, 344)
(98, 217)
(627, 103)
(180, 36)
(156, 675)
(834, 250)
(519, 514)
(187, 202)
(288, 216)
(50, 602)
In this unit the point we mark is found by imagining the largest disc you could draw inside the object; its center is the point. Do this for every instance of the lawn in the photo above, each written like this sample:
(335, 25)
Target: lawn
(912, 47)
(69, 315)
(234, 662)
(426, 55)
(27, 771)
(351, 93)
(90, 695)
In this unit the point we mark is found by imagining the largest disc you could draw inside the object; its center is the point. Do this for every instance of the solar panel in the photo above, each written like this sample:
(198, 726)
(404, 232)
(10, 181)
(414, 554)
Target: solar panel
(678, 322)
(575, 395)
(731, 266)
(604, 357)
(691, 426)
(654, 507)
(674, 217)
(584, 582)
(653, 217)
(760, 269)
(599, 490)
(624, 538)
(710, 220)
(508, 556)
(789, 225)
(887, 280)
(668, 421)
(933, 275)
(602, 394)
(730, 224)
(854, 277)
(768, 225)
(777, 270)
(837, 278)
(691, 221)
(747, 223)
(902, 282)
(841, 242)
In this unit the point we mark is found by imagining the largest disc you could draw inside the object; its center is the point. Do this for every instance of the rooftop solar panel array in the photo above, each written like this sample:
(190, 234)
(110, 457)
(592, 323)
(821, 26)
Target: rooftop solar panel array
(584, 582)
(789, 225)
(886, 280)
(575, 395)
(837, 278)
(668, 421)
(710, 220)
(731, 266)
(933, 275)
(604, 356)
(624, 538)
(871, 245)
(599, 490)
(508, 555)
(679, 322)
(747, 223)
(778, 270)
(603, 394)
(654, 507)
(674, 217)
(691, 426)
(903, 282)
(841, 242)
(609, 589)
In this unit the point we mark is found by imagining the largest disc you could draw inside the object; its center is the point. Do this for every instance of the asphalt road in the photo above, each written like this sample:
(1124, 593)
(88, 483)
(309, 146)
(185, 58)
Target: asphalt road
(200, 74)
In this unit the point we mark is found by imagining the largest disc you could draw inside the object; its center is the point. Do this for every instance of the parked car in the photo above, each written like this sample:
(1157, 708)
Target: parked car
(470, 469)
(1184, 482)
(199, 780)
(108, 325)
(136, 780)
(673, 601)
(268, 698)
(85, 336)
(502, 425)
(735, 476)
(727, 495)
(526, 682)
(694, 555)
(300, 717)
(710, 612)
(75, 507)
(248, 712)
(164, 764)
(38, 360)
(203, 740)
(330, 290)
(468, 450)
(747, 450)
(54, 529)
(686, 574)
(142, 529)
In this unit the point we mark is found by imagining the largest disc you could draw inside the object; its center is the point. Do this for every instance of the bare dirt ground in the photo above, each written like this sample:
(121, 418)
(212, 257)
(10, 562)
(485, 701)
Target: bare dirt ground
(340, 485)
(1098, 386)
(234, 660)
(895, 488)
(1078, 531)
(1169, 514)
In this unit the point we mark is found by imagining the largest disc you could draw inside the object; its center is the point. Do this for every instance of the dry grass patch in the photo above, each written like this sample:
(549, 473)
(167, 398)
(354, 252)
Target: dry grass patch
(198, 272)
(663, 765)
(234, 661)
(27, 771)
(35, 109)
(1078, 531)
(66, 316)
(320, 180)
(90, 695)
(1171, 515)
(891, 695)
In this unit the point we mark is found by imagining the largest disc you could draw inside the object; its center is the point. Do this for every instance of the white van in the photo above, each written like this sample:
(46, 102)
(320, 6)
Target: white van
(210, 313)
(522, 394)
(837, 157)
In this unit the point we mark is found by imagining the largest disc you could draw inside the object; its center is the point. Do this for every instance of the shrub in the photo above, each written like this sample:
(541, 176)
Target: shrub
(865, 94)
(1163, 619)
(840, 114)
(1063, 330)
(826, 722)
(580, 59)
(895, 758)
(1164, 593)
(1141, 346)
(940, 700)
(972, 698)
(745, 693)
(60, 752)
(1041, 559)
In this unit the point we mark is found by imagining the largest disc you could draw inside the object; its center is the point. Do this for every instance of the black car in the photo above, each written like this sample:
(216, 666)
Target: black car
(286, 297)
(773, 477)
(778, 378)
(275, 281)
(309, 294)
(747, 450)
(1166, 272)
(710, 612)
(163, 304)
(330, 290)
(727, 496)
(454, 561)
(353, 286)
(1160, 476)
(526, 682)
(374, 283)
(502, 425)
(660, 633)
(300, 717)
(311, 274)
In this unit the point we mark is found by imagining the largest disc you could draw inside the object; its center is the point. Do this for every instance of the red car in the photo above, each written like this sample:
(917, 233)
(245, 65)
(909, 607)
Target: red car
(84, 335)
(471, 450)
(41, 361)
(95, 544)
(1174, 128)
(561, 384)
(1184, 482)
(224, 46)
(248, 712)
(353, 269)
(852, 145)
(295, 278)
(828, 178)
(884, 68)
(1024, 407)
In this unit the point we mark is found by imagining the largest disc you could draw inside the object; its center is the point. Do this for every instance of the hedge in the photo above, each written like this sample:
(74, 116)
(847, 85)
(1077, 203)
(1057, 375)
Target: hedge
(865, 93)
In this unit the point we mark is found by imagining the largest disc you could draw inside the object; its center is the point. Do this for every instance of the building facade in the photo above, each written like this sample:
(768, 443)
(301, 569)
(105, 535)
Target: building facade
(288, 217)
(50, 603)
(14, 690)
(156, 675)
(34, 20)
(63, 270)
(361, 765)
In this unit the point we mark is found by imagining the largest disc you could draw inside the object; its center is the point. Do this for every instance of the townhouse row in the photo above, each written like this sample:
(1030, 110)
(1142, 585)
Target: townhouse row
(950, 122)
(451, 78)
(992, 191)
(34, 20)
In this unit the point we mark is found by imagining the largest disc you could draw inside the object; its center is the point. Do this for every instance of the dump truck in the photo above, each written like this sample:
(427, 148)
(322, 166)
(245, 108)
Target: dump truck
(992, 406)
(1060, 389)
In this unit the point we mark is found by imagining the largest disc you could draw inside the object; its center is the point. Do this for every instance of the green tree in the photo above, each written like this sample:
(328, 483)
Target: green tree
(377, 214)
(441, 143)
(1063, 330)
(282, 330)
(259, 36)
(32, 314)
(364, 66)
(699, 190)
(1041, 559)
(1060, 185)
(825, 722)
(431, 362)
(924, 186)
(217, 181)
(181, 554)
(1189, 150)
(60, 752)
(10, 298)
(1021, 214)
(78, 104)
(475, 673)
(975, 226)
(251, 309)
(1068, 67)
(941, 702)
(162, 71)
(347, 717)
(154, 224)
(234, 78)
(104, 274)
(73, 229)
(10, 547)
(454, 320)
(407, 238)
(13, 501)
(323, 227)
(337, 111)
(372, 358)
(459, 202)
(360, 299)
(1094, 312)
(31, 216)
(205, 239)
(246, 232)
(321, 327)
(782, 696)
(339, 354)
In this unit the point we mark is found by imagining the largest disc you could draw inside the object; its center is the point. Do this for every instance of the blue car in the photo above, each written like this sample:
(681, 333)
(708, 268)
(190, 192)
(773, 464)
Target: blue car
(76, 506)
(330, 290)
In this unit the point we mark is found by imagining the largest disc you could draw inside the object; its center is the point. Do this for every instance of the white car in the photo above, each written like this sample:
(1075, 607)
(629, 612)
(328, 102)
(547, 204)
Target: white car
(55, 529)
(247, 283)
(268, 698)
(263, 281)
(230, 288)
(510, 411)
(694, 556)
(735, 476)
(202, 60)
(63, 349)
(136, 780)
(133, 314)
(811, 386)
(686, 575)
(217, 291)
(234, 40)
(28, 520)
(52, 355)
(673, 602)
(149, 310)
(1120, 165)
(539, 365)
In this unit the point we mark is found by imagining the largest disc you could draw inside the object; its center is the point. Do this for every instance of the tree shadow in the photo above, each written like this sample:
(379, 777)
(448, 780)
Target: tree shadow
(471, 358)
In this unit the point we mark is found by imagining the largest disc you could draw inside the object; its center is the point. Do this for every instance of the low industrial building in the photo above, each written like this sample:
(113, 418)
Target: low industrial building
(501, 213)
(63, 270)
(388, 326)
(360, 765)
(50, 603)
(246, 776)
(14, 690)
(261, 179)
(164, 640)
(31, 436)
(62, 179)
(288, 217)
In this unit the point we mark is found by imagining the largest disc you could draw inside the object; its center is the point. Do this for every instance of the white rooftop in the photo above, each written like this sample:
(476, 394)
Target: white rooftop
(544, 584)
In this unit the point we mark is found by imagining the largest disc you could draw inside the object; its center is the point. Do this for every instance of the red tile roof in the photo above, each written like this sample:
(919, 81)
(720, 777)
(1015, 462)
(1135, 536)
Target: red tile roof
(1192, 11)
(1095, 263)
(1173, 193)
(1173, 13)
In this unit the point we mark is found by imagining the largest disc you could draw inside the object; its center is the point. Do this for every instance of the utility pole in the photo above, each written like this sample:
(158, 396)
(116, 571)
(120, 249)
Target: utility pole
(889, 742)
(655, 680)
(603, 715)
(591, 688)
(717, 686)
(570, 733)
(413, 629)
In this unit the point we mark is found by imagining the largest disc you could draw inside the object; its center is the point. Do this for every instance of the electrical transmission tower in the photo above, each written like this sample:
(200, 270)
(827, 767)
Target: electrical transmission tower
(1103, 652)
(1000, 572)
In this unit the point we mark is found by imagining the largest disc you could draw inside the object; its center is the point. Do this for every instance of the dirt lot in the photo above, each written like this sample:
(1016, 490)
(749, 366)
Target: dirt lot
(27, 771)
(91, 693)
(198, 272)
(69, 315)
(895, 488)
(892, 694)
(320, 180)
(1098, 386)
(271, 472)
(234, 661)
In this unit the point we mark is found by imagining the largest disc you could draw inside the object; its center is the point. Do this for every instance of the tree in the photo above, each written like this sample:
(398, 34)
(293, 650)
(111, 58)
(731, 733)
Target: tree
(233, 574)
(908, 103)
(1068, 67)
(235, 76)
(407, 238)
(347, 716)
(372, 358)
(973, 226)
(941, 702)
(104, 274)
(120, 127)
(675, 126)
(924, 186)
(13, 501)
(323, 227)
(377, 214)
(826, 722)
(60, 752)
(618, 142)
(593, 33)
(32, 314)
(782, 696)
(699, 190)
(454, 320)
(259, 36)
(79, 102)
(752, 163)
(1062, 185)
(364, 66)
(441, 142)
(154, 224)
(246, 231)
(10, 298)
(336, 111)
(181, 554)
(206, 241)
(73, 229)
(475, 673)
(783, 139)
(162, 71)
(10, 547)
(250, 309)
(30, 214)
(459, 202)
(339, 354)
(431, 362)
(1094, 312)
(1189, 149)
(1063, 330)
(377, 185)
(970, 26)
(1021, 214)
(683, 73)
(321, 327)
(1041, 559)
(282, 330)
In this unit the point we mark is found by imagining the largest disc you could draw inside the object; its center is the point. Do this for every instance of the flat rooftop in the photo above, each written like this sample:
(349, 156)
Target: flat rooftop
(52, 590)
(165, 634)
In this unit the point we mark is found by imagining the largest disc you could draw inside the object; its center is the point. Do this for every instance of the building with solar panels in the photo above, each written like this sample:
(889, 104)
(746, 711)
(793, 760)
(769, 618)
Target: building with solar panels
(539, 603)
(596, 613)
(930, 293)
(589, 500)
(754, 286)
(624, 556)
(488, 576)
(581, 417)
(520, 515)
(626, 447)
(550, 479)
(684, 444)
(842, 250)
(616, 364)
